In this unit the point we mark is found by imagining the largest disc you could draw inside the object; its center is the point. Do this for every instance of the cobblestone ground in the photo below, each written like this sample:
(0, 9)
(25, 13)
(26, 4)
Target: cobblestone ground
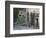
(20, 27)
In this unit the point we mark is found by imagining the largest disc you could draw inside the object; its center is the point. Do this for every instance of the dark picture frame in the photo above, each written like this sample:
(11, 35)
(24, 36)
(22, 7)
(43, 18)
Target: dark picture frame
(7, 18)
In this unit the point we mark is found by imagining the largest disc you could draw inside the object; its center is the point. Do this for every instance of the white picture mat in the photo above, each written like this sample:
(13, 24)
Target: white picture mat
(29, 30)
